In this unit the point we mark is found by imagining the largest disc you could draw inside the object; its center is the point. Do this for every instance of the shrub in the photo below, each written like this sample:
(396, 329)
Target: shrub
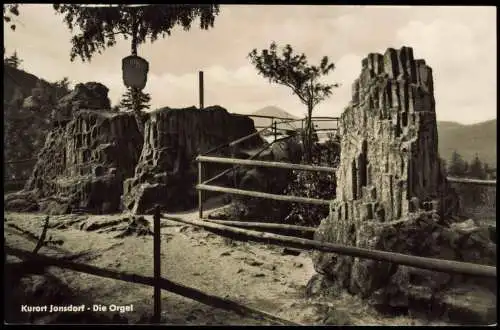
(321, 185)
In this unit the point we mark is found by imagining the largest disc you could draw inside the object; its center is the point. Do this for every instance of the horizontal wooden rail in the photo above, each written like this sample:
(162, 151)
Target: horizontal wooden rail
(474, 181)
(325, 118)
(16, 180)
(326, 129)
(272, 117)
(259, 194)
(28, 160)
(227, 144)
(235, 142)
(309, 231)
(237, 161)
(165, 284)
(290, 128)
(234, 168)
(440, 265)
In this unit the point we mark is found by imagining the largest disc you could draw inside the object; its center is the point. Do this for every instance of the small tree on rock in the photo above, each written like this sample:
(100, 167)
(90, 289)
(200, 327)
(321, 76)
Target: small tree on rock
(293, 70)
(132, 102)
(63, 84)
(62, 87)
(13, 61)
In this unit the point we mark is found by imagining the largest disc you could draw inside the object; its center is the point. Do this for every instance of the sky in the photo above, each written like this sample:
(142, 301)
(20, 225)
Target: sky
(459, 43)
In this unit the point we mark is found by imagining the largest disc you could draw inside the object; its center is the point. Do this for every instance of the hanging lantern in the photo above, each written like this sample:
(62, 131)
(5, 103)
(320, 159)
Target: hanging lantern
(135, 71)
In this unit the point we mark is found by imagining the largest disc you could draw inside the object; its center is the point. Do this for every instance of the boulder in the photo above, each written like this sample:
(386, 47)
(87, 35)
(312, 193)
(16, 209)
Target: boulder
(90, 96)
(22, 201)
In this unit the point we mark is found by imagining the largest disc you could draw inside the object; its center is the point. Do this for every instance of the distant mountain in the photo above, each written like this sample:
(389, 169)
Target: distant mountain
(22, 81)
(273, 112)
(469, 140)
(25, 123)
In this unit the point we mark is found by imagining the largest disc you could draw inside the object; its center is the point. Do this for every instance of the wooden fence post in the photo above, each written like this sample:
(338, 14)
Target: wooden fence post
(200, 192)
(201, 89)
(233, 155)
(157, 265)
(275, 130)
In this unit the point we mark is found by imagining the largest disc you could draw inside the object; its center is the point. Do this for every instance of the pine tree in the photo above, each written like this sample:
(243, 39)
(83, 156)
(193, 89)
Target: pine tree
(128, 100)
(62, 87)
(487, 171)
(13, 61)
(476, 169)
(63, 84)
(458, 166)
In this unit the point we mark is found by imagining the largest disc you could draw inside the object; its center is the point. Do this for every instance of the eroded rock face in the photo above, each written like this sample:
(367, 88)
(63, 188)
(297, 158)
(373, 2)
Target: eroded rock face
(83, 165)
(392, 194)
(166, 172)
(90, 96)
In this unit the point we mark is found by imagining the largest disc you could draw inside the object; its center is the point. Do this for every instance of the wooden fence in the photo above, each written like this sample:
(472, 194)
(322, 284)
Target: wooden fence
(231, 230)
(419, 262)
(258, 232)
(289, 121)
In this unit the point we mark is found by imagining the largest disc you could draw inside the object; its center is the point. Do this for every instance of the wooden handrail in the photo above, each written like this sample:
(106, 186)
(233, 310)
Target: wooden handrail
(27, 160)
(236, 161)
(440, 265)
(473, 181)
(261, 226)
(259, 194)
(231, 169)
(272, 117)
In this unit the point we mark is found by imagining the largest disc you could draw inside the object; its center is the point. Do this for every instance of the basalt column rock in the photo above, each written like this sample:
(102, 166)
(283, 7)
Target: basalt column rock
(84, 163)
(392, 193)
(166, 172)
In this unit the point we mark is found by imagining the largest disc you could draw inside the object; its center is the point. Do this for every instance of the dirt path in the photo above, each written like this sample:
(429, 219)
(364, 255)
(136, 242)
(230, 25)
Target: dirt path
(253, 274)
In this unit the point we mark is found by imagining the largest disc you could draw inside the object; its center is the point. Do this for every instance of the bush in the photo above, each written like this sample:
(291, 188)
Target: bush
(319, 185)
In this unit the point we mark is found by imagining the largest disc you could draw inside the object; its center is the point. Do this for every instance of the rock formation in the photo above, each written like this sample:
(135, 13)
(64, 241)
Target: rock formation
(85, 158)
(392, 194)
(97, 160)
(83, 165)
(89, 96)
(166, 171)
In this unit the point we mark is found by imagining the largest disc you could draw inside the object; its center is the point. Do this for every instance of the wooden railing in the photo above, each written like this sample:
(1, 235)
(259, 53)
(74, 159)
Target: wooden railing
(289, 121)
(203, 186)
(448, 266)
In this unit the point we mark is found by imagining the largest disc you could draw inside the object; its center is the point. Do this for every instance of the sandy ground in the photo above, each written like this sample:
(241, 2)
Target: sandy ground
(256, 275)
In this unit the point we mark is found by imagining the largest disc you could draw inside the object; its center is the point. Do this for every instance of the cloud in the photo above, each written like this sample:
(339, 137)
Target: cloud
(463, 57)
(459, 43)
